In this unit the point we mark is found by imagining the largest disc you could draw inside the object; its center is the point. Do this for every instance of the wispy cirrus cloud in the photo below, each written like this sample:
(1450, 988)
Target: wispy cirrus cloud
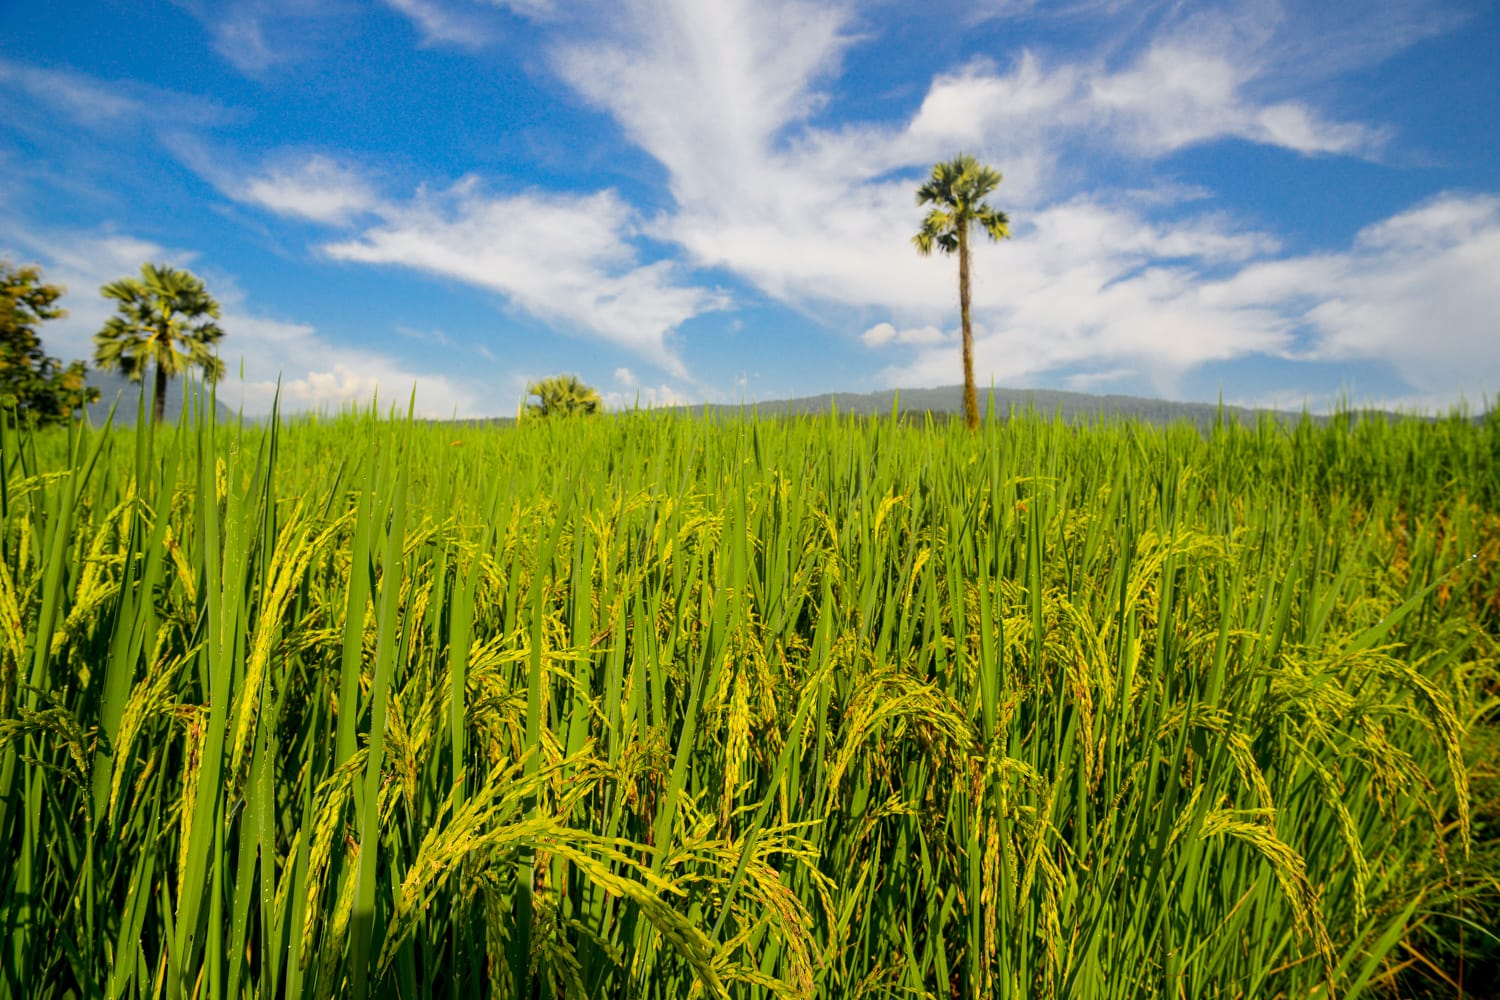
(819, 214)
(445, 24)
(566, 259)
(256, 35)
(85, 100)
(571, 260)
(707, 88)
(99, 104)
(1110, 282)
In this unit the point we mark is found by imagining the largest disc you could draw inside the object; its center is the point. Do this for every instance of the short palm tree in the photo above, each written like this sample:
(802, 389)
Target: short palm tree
(956, 190)
(164, 318)
(563, 395)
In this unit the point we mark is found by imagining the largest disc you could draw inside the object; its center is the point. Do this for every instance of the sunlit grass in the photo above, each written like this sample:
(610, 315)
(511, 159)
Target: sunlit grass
(651, 706)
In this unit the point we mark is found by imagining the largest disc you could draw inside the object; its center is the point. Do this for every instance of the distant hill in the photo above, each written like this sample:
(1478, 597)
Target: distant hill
(112, 386)
(946, 402)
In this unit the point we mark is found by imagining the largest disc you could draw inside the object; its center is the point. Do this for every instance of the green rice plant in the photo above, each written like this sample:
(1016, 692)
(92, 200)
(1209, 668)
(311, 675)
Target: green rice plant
(657, 706)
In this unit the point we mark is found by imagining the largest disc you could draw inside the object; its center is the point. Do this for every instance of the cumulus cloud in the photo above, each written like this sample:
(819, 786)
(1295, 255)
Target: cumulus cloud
(630, 392)
(1174, 94)
(1417, 290)
(1413, 292)
(302, 361)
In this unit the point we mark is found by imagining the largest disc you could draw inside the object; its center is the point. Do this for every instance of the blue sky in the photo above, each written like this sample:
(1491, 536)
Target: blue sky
(686, 200)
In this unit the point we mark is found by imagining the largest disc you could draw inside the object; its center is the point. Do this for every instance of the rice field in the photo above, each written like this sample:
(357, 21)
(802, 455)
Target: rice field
(654, 706)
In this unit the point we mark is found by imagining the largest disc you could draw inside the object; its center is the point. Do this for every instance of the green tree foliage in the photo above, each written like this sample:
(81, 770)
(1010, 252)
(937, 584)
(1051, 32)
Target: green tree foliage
(33, 385)
(164, 319)
(563, 395)
(956, 191)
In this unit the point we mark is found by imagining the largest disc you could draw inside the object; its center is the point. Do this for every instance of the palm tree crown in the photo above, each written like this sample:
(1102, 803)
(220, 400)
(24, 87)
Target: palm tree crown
(563, 395)
(956, 191)
(166, 318)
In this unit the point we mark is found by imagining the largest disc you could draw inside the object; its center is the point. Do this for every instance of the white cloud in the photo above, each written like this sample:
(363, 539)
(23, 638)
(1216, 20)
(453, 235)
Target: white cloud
(257, 35)
(311, 378)
(105, 104)
(526, 8)
(1098, 285)
(436, 337)
(1415, 292)
(317, 188)
(443, 24)
(712, 91)
(705, 87)
(566, 259)
(1295, 42)
(721, 95)
(1173, 95)
(884, 333)
(241, 39)
(81, 98)
(1181, 95)
(631, 393)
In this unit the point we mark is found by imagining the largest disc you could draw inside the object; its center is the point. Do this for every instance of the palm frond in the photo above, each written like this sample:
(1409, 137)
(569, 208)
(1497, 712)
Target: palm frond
(165, 318)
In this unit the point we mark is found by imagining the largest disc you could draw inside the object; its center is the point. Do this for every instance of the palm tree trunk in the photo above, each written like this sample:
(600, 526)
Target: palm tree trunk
(159, 406)
(971, 397)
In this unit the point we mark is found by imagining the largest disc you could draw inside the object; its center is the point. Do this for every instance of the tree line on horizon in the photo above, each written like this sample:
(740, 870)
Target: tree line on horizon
(166, 322)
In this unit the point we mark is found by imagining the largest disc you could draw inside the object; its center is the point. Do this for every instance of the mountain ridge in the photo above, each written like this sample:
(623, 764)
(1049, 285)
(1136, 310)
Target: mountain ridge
(124, 395)
(946, 402)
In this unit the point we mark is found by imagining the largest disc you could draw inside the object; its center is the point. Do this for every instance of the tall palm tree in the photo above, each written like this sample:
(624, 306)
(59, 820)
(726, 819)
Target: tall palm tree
(956, 190)
(563, 395)
(166, 318)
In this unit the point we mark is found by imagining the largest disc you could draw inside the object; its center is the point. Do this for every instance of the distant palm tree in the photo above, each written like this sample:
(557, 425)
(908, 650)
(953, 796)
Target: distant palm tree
(563, 395)
(165, 318)
(957, 189)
